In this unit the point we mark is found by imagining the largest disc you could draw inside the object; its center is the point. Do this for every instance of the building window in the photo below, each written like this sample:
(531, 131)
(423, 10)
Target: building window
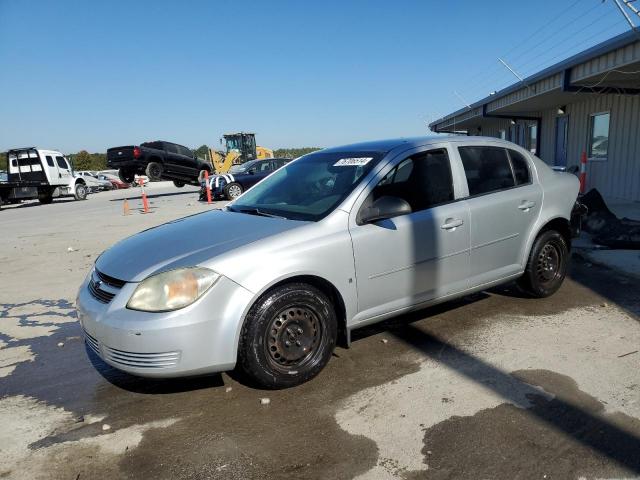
(599, 136)
(503, 134)
(532, 138)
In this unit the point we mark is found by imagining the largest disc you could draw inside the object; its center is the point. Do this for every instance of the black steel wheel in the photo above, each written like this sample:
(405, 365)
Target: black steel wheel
(154, 171)
(547, 265)
(288, 336)
(178, 184)
(127, 176)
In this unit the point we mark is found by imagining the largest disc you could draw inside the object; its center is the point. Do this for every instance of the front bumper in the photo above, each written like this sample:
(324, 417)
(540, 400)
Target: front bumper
(198, 339)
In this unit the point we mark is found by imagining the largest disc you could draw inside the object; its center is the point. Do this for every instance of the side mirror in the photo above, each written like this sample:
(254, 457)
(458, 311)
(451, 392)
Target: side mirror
(252, 171)
(383, 208)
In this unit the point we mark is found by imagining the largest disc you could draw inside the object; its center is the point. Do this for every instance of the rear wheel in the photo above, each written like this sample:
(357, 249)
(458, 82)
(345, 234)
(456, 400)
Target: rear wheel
(154, 171)
(288, 336)
(178, 184)
(233, 190)
(547, 265)
(45, 197)
(127, 176)
(81, 191)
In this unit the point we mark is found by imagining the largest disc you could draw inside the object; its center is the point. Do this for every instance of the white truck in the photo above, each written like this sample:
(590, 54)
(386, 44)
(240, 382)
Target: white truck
(43, 174)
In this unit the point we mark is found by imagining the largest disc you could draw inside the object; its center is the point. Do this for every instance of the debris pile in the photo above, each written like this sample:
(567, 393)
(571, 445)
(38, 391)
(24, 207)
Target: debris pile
(607, 229)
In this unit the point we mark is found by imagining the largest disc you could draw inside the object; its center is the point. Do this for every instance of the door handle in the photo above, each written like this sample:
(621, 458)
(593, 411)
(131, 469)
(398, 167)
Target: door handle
(526, 205)
(451, 223)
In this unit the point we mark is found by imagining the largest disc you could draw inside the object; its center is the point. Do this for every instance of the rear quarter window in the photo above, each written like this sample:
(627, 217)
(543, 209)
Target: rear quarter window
(521, 170)
(487, 169)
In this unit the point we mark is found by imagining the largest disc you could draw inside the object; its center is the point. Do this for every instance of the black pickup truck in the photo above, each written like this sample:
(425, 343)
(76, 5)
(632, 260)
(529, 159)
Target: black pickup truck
(159, 160)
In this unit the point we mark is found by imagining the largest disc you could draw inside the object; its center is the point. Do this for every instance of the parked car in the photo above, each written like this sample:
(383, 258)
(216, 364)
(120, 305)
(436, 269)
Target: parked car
(158, 160)
(94, 184)
(240, 178)
(114, 180)
(333, 241)
(36, 173)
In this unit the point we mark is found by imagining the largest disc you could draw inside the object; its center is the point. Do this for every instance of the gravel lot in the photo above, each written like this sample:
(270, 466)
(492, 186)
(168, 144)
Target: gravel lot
(491, 386)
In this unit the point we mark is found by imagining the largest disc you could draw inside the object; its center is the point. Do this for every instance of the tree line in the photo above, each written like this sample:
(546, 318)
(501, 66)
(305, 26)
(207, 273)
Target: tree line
(84, 160)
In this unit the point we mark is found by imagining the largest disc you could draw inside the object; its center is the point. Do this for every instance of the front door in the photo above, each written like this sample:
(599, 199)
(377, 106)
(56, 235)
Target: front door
(562, 128)
(412, 258)
(64, 171)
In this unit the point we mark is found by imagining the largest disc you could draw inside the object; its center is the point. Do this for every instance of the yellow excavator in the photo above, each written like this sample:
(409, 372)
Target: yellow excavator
(240, 147)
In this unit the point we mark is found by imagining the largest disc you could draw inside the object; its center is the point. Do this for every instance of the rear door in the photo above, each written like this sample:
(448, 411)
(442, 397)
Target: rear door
(504, 203)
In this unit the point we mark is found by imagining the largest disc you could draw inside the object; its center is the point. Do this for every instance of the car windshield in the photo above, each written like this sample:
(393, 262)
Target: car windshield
(310, 187)
(243, 167)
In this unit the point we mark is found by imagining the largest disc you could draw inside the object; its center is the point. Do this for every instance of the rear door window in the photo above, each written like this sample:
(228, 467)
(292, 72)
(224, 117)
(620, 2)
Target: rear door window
(171, 148)
(50, 161)
(487, 169)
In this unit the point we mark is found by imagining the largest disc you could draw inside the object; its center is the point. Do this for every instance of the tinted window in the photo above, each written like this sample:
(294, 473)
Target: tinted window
(264, 166)
(185, 151)
(49, 161)
(62, 163)
(423, 180)
(487, 169)
(156, 145)
(520, 168)
(171, 148)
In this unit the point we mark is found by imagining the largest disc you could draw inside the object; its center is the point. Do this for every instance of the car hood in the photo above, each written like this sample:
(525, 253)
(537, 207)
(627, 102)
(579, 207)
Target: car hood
(186, 242)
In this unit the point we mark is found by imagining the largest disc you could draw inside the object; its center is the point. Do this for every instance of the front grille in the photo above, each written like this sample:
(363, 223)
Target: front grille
(98, 283)
(142, 360)
(114, 282)
(98, 293)
(92, 342)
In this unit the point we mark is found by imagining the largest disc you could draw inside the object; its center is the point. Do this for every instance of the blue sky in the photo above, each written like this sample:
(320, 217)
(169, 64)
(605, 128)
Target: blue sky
(91, 75)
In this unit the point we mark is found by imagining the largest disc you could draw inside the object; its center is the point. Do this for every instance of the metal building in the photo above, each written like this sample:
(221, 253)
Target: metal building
(587, 103)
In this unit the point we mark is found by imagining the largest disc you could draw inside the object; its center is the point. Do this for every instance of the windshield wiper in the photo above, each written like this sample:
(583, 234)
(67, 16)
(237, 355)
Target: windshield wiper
(255, 211)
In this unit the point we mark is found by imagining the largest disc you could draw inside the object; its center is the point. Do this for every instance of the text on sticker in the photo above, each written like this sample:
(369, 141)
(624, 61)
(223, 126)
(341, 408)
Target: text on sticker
(352, 162)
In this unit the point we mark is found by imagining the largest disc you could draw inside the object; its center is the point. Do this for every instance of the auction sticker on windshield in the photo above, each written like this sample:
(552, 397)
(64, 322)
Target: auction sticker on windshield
(352, 162)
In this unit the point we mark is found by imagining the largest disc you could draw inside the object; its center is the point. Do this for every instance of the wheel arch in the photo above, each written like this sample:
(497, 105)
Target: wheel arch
(561, 225)
(322, 284)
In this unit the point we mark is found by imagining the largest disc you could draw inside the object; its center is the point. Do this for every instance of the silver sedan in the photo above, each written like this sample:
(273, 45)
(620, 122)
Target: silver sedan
(333, 241)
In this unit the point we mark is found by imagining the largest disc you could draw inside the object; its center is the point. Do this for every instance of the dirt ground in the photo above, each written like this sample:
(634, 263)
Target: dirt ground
(492, 386)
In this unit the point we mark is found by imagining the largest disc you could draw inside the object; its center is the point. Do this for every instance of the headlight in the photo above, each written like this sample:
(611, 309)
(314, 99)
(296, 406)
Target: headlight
(172, 290)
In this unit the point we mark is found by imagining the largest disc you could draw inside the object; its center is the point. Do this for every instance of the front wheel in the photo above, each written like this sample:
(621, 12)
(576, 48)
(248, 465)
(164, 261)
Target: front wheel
(178, 184)
(81, 192)
(233, 190)
(547, 265)
(288, 336)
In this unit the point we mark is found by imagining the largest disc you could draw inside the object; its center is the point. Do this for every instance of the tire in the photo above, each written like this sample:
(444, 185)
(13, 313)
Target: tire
(81, 192)
(178, 184)
(45, 198)
(233, 190)
(127, 176)
(288, 337)
(154, 171)
(546, 266)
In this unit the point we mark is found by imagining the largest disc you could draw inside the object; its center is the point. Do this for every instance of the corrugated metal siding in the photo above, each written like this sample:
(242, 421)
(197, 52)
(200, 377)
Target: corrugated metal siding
(619, 175)
(538, 88)
(615, 59)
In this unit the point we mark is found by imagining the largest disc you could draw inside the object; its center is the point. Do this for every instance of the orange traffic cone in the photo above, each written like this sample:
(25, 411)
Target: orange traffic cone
(125, 207)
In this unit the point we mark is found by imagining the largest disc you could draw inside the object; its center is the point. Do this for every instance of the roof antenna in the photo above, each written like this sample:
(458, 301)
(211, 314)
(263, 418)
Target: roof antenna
(624, 12)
